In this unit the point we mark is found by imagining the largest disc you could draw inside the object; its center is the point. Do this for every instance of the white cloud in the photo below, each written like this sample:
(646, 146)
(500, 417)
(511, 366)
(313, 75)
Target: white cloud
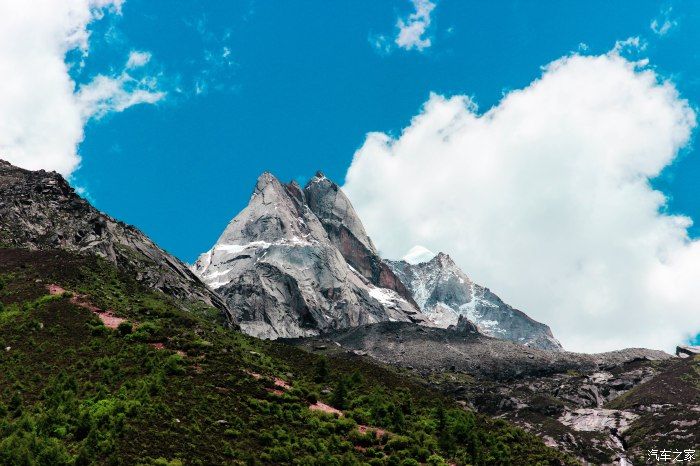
(546, 198)
(107, 94)
(663, 24)
(42, 114)
(413, 28)
(380, 43)
(138, 59)
(631, 45)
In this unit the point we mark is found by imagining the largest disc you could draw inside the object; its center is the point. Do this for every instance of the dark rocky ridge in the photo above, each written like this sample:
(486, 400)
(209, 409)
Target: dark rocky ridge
(282, 275)
(460, 348)
(40, 211)
(444, 293)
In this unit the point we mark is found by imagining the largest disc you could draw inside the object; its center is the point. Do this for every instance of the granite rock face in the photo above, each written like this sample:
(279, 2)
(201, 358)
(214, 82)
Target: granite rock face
(345, 230)
(687, 351)
(464, 325)
(283, 276)
(39, 210)
(444, 293)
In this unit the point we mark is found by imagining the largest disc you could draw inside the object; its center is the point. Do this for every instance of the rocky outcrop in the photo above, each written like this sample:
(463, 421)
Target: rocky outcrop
(345, 230)
(687, 351)
(279, 271)
(444, 293)
(39, 210)
(464, 325)
(602, 408)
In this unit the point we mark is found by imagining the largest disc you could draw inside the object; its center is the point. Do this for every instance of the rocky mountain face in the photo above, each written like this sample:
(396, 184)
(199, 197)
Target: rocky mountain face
(444, 293)
(345, 230)
(283, 275)
(461, 348)
(607, 408)
(40, 211)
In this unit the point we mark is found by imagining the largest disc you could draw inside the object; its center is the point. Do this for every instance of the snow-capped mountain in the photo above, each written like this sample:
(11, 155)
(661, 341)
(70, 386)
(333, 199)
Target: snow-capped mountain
(444, 293)
(284, 276)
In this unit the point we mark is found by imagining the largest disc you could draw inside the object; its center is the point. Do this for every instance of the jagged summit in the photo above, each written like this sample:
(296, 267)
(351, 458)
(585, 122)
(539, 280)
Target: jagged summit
(39, 210)
(444, 293)
(275, 212)
(443, 259)
(333, 209)
(280, 270)
(297, 262)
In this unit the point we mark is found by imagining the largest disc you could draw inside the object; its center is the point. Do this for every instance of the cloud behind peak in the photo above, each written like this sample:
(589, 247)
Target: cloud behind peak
(546, 198)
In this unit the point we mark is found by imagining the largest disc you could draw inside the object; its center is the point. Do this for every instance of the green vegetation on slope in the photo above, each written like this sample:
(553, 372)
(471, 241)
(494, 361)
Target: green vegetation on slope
(170, 387)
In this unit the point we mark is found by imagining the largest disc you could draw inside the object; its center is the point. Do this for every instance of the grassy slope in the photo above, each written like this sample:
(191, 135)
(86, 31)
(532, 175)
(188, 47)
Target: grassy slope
(75, 392)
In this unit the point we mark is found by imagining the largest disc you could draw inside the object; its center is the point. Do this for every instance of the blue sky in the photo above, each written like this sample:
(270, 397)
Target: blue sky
(301, 84)
(549, 147)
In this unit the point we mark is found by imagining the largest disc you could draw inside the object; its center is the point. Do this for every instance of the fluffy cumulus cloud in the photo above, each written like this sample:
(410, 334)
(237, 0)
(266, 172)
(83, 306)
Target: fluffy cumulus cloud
(413, 28)
(42, 113)
(546, 198)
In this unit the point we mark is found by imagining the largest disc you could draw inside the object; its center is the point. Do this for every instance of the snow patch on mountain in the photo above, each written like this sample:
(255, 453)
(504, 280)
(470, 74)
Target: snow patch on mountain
(418, 254)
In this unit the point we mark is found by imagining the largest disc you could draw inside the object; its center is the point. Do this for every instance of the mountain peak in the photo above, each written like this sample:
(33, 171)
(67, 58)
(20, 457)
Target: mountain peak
(445, 293)
(8, 165)
(266, 179)
(320, 179)
(276, 212)
(444, 260)
(284, 271)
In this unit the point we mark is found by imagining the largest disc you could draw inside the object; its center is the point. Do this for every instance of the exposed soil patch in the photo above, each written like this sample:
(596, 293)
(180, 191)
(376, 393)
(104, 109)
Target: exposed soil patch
(318, 406)
(109, 320)
(281, 384)
(55, 290)
(107, 317)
